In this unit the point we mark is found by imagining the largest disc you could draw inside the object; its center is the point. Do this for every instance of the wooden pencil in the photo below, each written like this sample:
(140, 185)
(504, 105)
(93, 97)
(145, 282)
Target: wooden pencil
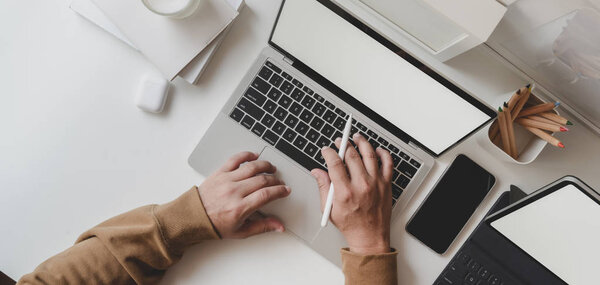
(515, 97)
(540, 125)
(542, 119)
(554, 117)
(522, 100)
(504, 131)
(545, 136)
(511, 134)
(541, 108)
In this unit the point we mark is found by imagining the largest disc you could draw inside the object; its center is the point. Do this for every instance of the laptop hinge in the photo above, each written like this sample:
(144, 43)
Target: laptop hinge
(288, 60)
(413, 145)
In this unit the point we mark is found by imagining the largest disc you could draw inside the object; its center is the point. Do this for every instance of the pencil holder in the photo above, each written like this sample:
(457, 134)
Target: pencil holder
(529, 146)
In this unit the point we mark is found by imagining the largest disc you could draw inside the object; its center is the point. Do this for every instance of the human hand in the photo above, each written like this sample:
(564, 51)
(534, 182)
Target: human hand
(362, 202)
(233, 194)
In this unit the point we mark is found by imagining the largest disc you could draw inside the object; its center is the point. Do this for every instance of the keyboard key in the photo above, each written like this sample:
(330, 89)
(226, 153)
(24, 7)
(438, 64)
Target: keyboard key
(276, 80)
(318, 109)
(268, 120)
(285, 101)
(407, 169)
(339, 123)
(327, 131)
(415, 163)
(453, 278)
(319, 98)
(280, 113)
(250, 109)
(311, 149)
(382, 141)
(402, 181)
(302, 128)
(289, 135)
(372, 134)
(265, 73)
(297, 94)
(494, 280)
(464, 258)
(320, 159)
(258, 129)
(295, 109)
(329, 105)
(255, 96)
(396, 191)
(317, 123)
(287, 87)
(337, 135)
(247, 122)
(300, 142)
(306, 116)
(470, 279)
(329, 116)
(361, 127)
(484, 273)
(273, 67)
(373, 143)
(474, 266)
(297, 83)
(395, 175)
(396, 160)
(291, 121)
(261, 85)
(297, 155)
(287, 76)
(393, 148)
(312, 136)
(404, 156)
(278, 128)
(353, 130)
(340, 112)
(323, 141)
(270, 137)
(236, 114)
(270, 106)
(274, 94)
(308, 102)
(308, 90)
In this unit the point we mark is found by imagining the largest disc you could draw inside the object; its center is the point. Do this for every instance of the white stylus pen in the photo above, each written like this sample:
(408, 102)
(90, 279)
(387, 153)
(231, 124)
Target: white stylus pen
(329, 203)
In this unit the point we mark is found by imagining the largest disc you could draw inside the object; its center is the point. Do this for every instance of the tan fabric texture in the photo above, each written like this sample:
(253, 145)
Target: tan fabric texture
(362, 269)
(140, 245)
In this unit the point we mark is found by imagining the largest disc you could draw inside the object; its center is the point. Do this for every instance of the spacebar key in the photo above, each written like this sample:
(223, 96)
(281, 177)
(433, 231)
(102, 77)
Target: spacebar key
(297, 155)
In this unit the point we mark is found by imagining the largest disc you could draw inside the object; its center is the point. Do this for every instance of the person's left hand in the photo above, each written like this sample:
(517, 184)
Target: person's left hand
(233, 194)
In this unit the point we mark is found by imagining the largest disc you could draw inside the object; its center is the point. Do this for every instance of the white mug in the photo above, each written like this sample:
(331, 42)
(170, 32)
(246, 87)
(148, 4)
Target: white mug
(177, 9)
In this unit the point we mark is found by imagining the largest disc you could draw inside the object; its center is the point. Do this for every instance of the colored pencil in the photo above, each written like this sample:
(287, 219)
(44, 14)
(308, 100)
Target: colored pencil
(511, 134)
(545, 136)
(542, 119)
(538, 109)
(540, 125)
(519, 106)
(515, 97)
(504, 131)
(554, 117)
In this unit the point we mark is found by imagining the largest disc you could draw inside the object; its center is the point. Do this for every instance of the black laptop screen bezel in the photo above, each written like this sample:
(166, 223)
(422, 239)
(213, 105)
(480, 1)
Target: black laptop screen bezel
(529, 200)
(400, 52)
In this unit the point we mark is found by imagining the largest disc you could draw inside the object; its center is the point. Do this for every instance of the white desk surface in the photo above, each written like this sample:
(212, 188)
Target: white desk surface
(74, 150)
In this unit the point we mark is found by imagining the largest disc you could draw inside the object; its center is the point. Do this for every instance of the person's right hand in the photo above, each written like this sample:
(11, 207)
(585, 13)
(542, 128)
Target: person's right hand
(362, 202)
(233, 194)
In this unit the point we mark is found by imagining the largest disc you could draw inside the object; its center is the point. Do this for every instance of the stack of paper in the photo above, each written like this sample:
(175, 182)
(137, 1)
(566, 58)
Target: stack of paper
(177, 47)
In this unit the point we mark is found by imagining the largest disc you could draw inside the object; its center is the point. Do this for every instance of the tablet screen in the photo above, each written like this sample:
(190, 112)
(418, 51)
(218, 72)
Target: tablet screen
(407, 94)
(561, 231)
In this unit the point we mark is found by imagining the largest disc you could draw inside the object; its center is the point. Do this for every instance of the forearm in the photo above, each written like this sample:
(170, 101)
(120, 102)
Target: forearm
(137, 246)
(363, 269)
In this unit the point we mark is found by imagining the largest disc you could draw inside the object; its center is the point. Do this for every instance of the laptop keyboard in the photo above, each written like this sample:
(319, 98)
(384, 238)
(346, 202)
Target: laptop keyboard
(289, 115)
(466, 270)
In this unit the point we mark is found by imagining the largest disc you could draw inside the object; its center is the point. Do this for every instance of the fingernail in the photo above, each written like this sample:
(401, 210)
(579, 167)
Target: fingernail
(288, 189)
(325, 147)
(338, 139)
(356, 135)
(280, 230)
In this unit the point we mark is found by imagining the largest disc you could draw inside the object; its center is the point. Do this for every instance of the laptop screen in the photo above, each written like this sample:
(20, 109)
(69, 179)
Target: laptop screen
(389, 82)
(561, 231)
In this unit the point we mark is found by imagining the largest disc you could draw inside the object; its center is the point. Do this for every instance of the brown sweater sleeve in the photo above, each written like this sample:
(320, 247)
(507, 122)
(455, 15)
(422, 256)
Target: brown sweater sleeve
(134, 247)
(377, 269)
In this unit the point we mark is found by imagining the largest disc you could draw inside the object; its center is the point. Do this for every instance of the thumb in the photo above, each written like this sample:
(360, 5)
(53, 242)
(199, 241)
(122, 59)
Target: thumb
(257, 224)
(323, 181)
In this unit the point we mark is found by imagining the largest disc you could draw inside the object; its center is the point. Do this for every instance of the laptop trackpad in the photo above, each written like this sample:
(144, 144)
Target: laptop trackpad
(301, 210)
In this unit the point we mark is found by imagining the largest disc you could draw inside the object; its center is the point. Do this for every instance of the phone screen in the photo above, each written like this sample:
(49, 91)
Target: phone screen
(450, 204)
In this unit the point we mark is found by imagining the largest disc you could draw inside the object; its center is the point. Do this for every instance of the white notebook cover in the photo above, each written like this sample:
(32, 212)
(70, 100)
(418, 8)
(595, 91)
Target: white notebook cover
(168, 43)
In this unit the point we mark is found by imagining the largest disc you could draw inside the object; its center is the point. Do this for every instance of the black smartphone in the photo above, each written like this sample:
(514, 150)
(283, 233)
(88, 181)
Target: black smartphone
(450, 204)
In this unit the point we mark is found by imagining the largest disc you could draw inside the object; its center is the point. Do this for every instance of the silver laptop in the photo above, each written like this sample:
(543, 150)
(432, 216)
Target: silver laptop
(320, 65)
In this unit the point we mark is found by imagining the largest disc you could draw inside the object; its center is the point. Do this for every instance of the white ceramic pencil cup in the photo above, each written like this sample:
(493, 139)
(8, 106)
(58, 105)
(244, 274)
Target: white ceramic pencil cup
(177, 9)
